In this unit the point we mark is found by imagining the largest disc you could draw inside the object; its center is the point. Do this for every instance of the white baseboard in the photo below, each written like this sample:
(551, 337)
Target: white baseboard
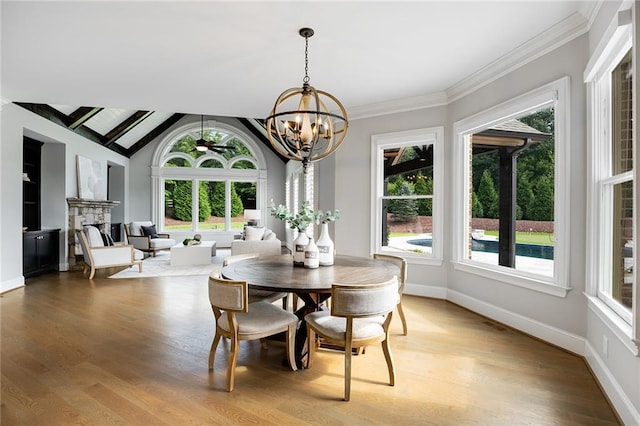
(624, 407)
(11, 284)
(425, 291)
(553, 335)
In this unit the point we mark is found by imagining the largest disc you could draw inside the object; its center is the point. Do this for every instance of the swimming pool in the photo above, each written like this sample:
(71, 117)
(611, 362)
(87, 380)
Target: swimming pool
(528, 250)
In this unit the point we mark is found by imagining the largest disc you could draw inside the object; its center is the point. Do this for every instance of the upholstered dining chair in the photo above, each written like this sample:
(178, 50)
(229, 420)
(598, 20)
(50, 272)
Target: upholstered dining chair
(354, 322)
(401, 263)
(256, 295)
(237, 320)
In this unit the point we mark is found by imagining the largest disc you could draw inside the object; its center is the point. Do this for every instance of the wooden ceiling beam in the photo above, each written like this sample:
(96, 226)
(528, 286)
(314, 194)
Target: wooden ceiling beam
(80, 116)
(121, 129)
(61, 119)
(157, 131)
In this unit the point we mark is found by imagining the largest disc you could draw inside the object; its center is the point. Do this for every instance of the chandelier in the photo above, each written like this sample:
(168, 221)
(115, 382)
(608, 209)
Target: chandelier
(306, 124)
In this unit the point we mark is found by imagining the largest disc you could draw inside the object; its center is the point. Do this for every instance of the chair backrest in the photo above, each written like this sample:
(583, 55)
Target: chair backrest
(135, 228)
(238, 257)
(400, 262)
(364, 300)
(228, 295)
(84, 244)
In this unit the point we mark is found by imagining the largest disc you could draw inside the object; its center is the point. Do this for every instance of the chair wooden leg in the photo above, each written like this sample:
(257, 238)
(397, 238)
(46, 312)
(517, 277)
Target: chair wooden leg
(404, 320)
(291, 346)
(212, 351)
(347, 370)
(233, 360)
(390, 365)
(93, 272)
(140, 267)
(311, 345)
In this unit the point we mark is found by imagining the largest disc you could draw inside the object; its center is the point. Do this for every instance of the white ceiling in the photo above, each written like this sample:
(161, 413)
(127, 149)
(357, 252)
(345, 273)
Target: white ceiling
(235, 58)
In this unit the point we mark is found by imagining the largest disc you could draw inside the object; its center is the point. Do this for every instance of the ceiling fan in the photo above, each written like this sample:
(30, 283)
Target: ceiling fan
(203, 145)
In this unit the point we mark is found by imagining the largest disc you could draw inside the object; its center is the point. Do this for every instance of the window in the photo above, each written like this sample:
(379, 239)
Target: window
(207, 191)
(611, 241)
(511, 180)
(407, 194)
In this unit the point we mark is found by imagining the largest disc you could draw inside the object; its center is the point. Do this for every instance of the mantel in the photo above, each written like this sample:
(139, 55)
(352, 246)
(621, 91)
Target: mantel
(81, 202)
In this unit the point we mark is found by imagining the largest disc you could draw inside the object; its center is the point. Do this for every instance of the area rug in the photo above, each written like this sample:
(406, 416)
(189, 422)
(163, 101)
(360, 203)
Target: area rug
(160, 266)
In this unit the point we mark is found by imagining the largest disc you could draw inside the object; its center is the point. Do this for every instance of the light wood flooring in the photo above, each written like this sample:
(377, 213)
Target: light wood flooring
(134, 351)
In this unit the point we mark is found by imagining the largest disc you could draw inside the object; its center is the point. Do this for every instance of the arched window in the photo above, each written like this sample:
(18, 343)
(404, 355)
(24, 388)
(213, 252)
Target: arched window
(207, 191)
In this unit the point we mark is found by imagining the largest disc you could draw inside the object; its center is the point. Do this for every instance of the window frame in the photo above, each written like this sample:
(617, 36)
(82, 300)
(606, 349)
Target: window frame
(423, 136)
(227, 174)
(556, 94)
(601, 178)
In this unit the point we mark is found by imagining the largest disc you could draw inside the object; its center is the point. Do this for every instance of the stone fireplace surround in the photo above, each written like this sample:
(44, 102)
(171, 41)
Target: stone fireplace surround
(87, 212)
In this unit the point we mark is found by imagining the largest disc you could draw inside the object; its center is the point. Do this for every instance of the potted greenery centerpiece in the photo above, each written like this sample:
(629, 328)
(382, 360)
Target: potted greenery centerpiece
(301, 221)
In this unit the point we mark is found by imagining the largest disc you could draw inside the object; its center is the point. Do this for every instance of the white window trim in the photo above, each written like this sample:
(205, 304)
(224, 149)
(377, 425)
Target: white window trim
(435, 136)
(618, 39)
(159, 173)
(557, 91)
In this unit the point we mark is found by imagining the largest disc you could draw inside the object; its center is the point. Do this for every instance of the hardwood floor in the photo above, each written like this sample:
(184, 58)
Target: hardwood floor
(135, 351)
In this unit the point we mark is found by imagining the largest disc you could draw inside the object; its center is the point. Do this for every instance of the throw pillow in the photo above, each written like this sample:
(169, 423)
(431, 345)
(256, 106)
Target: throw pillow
(268, 235)
(150, 231)
(253, 233)
(106, 239)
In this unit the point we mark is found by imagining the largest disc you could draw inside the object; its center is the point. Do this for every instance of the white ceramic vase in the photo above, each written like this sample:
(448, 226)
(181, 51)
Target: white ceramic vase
(311, 260)
(299, 244)
(325, 247)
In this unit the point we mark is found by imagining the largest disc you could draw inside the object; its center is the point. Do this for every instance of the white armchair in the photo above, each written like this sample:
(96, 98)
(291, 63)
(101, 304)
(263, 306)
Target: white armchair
(97, 255)
(147, 243)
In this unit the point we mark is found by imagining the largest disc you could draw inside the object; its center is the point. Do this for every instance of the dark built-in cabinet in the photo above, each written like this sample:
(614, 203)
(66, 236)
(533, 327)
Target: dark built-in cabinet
(31, 183)
(40, 251)
(40, 247)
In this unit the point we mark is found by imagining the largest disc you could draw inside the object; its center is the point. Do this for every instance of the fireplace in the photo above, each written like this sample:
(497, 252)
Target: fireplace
(87, 212)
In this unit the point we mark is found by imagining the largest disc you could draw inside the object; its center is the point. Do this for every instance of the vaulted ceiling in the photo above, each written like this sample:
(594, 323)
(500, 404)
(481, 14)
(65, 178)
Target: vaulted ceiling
(120, 72)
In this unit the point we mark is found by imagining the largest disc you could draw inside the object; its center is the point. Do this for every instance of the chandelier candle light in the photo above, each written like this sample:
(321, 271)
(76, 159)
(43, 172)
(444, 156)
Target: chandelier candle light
(306, 124)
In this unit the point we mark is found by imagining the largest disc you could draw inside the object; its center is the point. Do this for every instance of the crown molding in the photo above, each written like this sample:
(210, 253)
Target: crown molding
(398, 105)
(561, 33)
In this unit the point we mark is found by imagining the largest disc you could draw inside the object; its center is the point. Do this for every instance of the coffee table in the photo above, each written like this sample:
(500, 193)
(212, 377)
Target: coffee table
(199, 254)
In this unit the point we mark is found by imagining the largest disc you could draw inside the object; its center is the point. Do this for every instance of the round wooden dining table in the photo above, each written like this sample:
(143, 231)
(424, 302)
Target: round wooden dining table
(313, 286)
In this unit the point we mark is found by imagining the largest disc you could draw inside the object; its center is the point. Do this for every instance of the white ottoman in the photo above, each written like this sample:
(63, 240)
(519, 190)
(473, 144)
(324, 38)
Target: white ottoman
(199, 254)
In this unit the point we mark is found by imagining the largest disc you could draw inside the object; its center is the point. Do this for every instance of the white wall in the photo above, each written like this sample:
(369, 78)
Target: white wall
(568, 60)
(352, 187)
(59, 182)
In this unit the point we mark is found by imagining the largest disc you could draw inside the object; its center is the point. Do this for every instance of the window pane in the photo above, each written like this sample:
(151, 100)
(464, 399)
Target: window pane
(177, 162)
(212, 164)
(178, 201)
(512, 191)
(621, 116)
(215, 191)
(622, 253)
(407, 200)
(244, 164)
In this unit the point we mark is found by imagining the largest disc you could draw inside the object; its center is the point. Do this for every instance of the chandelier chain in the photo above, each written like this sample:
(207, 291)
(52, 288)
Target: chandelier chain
(305, 80)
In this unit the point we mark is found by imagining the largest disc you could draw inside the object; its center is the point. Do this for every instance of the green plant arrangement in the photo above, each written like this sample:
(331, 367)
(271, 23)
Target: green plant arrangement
(192, 241)
(305, 216)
